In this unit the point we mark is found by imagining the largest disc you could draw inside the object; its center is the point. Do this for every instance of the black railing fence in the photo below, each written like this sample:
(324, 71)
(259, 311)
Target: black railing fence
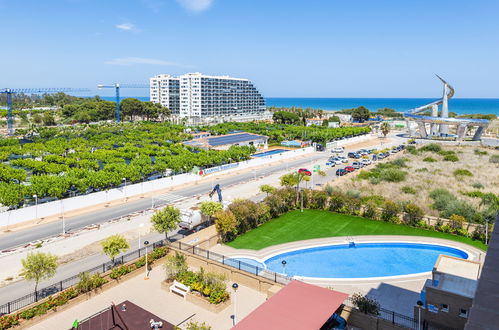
(390, 316)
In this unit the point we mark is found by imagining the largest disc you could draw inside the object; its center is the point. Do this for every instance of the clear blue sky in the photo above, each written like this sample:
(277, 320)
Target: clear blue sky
(289, 48)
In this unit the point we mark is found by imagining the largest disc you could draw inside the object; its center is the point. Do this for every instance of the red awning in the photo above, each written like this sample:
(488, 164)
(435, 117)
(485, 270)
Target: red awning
(298, 305)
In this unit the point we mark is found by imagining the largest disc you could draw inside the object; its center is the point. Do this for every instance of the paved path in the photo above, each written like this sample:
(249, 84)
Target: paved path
(150, 296)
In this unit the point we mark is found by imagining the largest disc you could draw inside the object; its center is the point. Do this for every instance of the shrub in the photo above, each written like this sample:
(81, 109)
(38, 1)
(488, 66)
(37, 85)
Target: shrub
(413, 214)
(429, 160)
(193, 325)
(408, 190)
(412, 150)
(462, 172)
(451, 158)
(462, 232)
(431, 147)
(377, 199)
(118, 272)
(337, 202)
(480, 152)
(494, 159)
(328, 189)
(226, 224)
(477, 185)
(461, 208)
(441, 197)
(89, 282)
(246, 214)
(393, 175)
(390, 211)
(371, 210)
(175, 265)
(318, 200)
(365, 305)
(423, 169)
(8, 321)
(352, 205)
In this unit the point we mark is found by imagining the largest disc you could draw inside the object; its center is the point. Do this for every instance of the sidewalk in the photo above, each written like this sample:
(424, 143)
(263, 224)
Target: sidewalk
(150, 296)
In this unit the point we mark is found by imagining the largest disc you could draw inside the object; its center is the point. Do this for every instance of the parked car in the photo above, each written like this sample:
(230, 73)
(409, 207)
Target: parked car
(304, 171)
(338, 150)
(357, 165)
(332, 164)
(354, 155)
(336, 160)
(349, 169)
(366, 161)
(343, 159)
(341, 172)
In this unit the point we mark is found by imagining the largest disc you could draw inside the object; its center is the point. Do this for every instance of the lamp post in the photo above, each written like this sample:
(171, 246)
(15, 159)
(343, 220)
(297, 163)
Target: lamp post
(284, 266)
(420, 305)
(146, 243)
(234, 287)
(301, 193)
(63, 221)
(36, 206)
(124, 189)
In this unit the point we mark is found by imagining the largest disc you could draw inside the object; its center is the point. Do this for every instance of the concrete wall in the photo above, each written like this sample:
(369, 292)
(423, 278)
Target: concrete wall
(55, 208)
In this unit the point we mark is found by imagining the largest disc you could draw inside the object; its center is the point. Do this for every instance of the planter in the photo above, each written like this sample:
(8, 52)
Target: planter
(198, 300)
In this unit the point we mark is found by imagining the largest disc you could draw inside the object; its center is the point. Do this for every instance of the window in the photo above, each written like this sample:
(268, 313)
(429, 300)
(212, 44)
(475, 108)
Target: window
(463, 313)
(444, 308)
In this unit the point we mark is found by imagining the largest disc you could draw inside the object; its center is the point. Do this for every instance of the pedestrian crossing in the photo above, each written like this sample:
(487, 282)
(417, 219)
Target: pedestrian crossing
(166, 199)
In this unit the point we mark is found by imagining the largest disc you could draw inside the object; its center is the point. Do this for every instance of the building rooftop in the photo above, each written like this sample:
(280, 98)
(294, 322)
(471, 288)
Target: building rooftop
(298, 305)
(457, 275)
(216, 141)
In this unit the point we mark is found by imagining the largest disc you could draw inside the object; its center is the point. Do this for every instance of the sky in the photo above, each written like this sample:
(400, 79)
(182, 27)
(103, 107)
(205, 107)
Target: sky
(288, 48)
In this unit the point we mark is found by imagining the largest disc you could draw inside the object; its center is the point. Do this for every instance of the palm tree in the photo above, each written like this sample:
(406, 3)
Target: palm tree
(385, 128)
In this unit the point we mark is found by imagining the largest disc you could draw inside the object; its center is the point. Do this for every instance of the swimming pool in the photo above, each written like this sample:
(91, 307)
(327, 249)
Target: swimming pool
(362, 260)
(270, 152)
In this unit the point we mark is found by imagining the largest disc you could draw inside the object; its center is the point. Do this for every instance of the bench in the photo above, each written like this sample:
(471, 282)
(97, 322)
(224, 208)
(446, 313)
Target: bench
(180, 289)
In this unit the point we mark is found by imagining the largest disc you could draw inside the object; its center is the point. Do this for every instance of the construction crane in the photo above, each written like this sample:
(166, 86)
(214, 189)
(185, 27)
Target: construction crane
(117, 87)
(10, 91)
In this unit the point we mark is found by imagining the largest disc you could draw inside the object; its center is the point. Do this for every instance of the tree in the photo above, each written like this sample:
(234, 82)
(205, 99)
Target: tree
(361, 114)
(166, 220)
(131, 107)
(39, 266)
(413, 213)
(268, 189)
(175, 265)
(114, 245)
(209, 208)
(226, 225)
(385, 128)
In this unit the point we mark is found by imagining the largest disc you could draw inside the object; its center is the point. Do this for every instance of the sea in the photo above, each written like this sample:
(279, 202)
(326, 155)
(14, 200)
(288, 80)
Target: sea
(460, 106)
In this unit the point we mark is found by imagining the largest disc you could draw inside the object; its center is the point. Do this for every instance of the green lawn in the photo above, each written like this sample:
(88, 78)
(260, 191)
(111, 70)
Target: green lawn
(297, 226)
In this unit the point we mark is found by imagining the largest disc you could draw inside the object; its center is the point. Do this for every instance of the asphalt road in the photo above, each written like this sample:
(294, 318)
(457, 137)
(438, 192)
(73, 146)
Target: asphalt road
(39, 232)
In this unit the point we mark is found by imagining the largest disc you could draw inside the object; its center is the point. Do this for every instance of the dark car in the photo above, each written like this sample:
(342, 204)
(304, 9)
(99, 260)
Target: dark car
(341, 172)
(304, 171)
(354, 155)
(349, 169)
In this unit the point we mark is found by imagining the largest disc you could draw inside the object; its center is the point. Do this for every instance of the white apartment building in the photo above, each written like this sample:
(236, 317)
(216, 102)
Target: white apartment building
(203, 96)
(165, 90)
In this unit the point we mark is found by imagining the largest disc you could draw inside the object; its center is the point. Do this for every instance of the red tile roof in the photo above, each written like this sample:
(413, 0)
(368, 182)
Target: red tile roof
(297, 306)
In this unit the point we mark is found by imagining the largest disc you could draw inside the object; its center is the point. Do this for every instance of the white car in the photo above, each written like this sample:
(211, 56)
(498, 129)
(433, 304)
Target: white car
(357, 165)
(343, 159)
(366, 161)
(338, 150)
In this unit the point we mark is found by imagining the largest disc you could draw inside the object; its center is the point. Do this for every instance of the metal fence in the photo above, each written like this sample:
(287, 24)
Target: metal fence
(34, 297)
(390, 316)
(234, 263)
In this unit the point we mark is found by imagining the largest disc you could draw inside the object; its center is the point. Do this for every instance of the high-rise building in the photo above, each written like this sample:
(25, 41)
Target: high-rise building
(205, 96)
(165, 90)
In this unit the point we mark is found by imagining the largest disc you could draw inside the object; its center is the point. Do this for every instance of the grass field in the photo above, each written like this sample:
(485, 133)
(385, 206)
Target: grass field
(297, 226)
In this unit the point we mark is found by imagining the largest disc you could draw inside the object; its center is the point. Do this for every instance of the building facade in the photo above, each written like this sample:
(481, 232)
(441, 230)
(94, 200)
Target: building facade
(165, 90)
(194, 95)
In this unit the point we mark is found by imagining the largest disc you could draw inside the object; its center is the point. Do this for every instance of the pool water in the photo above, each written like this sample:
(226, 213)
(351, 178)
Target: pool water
(361, 260)
(270, 152)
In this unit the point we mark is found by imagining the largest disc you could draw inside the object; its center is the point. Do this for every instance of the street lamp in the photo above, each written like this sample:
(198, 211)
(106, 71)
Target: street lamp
(146, 243)
(284, 266)
(420, 305)
(234, 287)
(124, 189)
(36, 206)
(301, 208)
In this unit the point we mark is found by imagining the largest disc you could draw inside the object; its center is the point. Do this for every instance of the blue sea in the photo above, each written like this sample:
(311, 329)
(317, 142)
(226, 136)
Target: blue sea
(457, 105)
